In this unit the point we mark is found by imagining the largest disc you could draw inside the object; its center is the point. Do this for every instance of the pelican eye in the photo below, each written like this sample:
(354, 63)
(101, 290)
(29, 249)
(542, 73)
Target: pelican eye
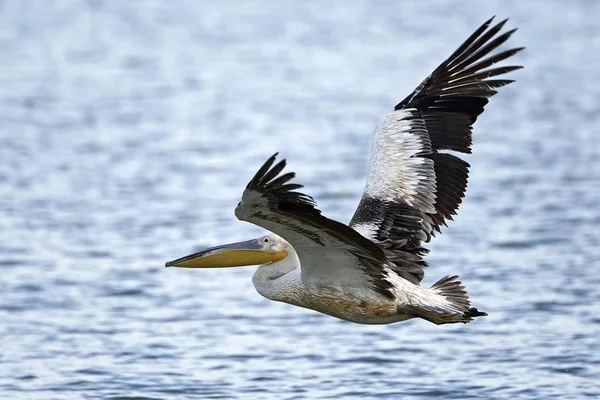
(266, 240)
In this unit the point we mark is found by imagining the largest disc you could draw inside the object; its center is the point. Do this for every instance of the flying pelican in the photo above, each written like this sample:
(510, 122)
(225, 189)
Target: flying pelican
(369, 271)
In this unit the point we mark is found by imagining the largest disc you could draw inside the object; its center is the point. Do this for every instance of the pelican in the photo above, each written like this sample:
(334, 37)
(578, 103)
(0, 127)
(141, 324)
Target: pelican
(369, 271)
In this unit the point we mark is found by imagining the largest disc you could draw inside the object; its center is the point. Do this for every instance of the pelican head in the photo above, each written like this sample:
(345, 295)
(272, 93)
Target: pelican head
(264, 250)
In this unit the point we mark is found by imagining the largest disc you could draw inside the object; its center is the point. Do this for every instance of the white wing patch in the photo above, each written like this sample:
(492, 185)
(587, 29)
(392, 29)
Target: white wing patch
(397, 172)
(368, 230)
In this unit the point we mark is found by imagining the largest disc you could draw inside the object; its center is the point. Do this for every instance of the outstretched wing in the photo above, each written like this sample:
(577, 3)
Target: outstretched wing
(330, 252)
(413, 187)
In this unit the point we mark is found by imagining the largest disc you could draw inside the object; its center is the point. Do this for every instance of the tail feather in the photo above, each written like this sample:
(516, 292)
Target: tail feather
(454, 291)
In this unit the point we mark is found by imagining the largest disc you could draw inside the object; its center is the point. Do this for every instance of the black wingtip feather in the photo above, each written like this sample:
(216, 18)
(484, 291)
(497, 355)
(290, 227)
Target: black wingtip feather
(472, 38)
(262, 171)
(467, 64)
(273, 172)
(269, 181)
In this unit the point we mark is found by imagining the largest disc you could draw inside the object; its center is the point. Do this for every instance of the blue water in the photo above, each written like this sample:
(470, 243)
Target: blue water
(129, 129)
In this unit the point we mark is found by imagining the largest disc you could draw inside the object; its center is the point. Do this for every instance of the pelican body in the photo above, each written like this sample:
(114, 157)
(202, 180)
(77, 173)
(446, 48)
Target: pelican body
(369, 271)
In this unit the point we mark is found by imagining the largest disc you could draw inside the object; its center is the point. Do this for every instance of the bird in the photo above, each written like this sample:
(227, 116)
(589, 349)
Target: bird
(370, 271)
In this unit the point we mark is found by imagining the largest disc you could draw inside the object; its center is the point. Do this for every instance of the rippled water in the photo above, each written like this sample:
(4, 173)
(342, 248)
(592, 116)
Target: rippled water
(129, 129)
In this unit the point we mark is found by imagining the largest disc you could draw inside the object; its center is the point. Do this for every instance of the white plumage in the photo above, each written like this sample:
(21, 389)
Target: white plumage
(396, 172)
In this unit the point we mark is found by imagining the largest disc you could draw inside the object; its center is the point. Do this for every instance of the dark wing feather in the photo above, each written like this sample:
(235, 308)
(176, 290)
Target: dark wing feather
(413, 186)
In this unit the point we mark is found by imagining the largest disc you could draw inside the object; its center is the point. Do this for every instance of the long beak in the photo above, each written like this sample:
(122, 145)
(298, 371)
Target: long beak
(229, 255)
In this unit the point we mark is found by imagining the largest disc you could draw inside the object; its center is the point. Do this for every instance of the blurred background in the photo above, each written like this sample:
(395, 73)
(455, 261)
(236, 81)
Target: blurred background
(128, 131)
